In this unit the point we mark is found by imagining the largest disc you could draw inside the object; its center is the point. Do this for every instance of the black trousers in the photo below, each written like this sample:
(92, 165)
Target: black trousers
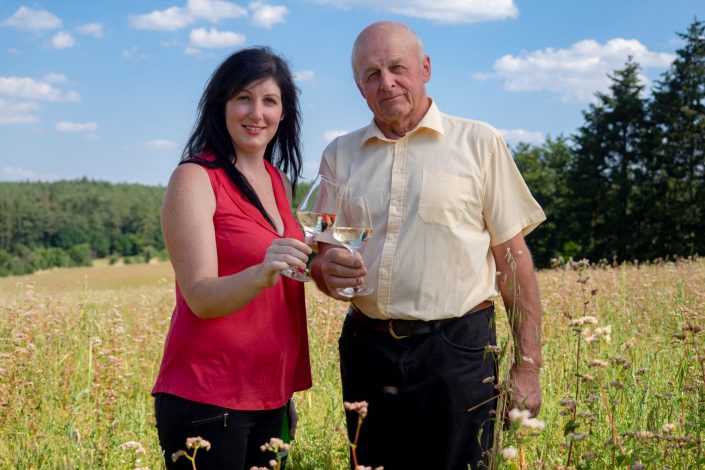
(235, 436)
(419, 390)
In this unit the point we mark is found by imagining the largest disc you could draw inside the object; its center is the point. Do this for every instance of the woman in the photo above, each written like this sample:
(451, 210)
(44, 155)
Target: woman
(237, 346)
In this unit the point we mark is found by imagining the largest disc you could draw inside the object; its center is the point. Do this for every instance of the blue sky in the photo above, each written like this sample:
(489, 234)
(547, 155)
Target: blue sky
(108, 90)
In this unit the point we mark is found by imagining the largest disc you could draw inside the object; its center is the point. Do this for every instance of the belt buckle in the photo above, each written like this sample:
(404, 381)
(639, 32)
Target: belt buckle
(390, 327)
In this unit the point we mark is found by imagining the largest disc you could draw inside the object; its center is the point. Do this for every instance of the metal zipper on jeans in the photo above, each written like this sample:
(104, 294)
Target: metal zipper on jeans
(211, 419)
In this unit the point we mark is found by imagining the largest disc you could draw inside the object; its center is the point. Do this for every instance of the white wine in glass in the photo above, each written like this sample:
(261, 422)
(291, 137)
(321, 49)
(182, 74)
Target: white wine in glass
(352, 228)
(315, 213)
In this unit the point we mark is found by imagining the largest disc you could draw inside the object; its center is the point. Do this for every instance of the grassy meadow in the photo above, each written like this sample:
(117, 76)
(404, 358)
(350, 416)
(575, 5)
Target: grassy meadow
(622, 376)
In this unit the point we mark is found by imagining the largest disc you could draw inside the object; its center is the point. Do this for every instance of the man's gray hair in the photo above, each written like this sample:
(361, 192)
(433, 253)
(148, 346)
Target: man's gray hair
(415, 37)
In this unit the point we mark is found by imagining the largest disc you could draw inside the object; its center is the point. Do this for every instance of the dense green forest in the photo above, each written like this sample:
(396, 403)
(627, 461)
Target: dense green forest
(628, 185)
(68, 223)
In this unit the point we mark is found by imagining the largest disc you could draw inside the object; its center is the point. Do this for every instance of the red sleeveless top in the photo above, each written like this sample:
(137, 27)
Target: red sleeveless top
(256, 357)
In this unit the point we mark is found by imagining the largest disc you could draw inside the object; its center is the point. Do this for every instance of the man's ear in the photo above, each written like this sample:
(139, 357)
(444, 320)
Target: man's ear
(426, 67)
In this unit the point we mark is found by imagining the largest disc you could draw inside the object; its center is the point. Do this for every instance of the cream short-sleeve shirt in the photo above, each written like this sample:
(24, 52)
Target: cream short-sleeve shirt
(439, 198)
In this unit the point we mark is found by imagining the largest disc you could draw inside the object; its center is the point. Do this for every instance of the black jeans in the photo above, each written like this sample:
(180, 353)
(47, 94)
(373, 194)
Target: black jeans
(419, 390)
(235, 436)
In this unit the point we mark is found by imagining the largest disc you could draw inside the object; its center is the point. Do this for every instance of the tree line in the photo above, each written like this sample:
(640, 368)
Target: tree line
(629, 184)
(69, 223)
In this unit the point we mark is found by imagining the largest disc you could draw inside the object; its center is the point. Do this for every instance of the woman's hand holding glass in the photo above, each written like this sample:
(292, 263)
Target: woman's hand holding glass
(282, 254)
(316, 213)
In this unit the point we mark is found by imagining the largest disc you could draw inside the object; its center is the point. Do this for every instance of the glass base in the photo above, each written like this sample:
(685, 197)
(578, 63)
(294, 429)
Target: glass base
(296, 274)
(359, 291)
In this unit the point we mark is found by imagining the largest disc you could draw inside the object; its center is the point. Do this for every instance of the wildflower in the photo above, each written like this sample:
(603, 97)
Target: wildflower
(616, 384)
(669, 428)
(598, 363)
(509, 453)
(568, 403)
(358, 406)
(488, 380)
(576, 436)
(586, 320)
(515, 415)
(197, 443)
(644, 435)
(132, 445)
(274, 445)
(533, 423)
(178, 454)
(589, 455)
(493, 349)
(524, 417)
(587, 377)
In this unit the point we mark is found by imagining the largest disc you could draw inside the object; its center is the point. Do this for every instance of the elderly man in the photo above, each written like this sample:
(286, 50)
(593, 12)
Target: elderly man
(449, 211)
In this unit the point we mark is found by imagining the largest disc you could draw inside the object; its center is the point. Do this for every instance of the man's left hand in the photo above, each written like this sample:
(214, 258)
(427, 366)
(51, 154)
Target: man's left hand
(525, 387)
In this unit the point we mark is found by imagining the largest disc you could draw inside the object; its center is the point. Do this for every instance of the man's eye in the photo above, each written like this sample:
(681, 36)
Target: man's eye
(372, 75)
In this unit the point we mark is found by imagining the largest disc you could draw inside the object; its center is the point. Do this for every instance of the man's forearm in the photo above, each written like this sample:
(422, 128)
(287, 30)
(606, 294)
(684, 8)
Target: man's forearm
(520, 293)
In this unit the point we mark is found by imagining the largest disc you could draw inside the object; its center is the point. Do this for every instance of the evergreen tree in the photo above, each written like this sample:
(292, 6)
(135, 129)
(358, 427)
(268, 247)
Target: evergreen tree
(608, 167)
(677, 115)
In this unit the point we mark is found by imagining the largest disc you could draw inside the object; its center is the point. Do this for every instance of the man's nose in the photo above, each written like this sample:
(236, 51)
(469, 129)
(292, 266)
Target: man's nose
(387, 80)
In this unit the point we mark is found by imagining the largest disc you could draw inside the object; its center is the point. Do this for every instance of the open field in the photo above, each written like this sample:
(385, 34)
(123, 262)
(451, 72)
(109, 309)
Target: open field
(79, 349)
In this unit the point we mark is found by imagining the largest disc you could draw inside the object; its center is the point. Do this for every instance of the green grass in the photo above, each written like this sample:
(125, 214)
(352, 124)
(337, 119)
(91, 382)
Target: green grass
(79, 350)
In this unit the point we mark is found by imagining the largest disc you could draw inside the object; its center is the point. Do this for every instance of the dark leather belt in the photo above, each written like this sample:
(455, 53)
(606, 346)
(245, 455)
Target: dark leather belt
(399, 329)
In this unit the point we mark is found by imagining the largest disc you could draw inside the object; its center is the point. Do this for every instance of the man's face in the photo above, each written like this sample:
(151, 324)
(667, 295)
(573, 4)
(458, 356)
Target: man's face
(391, 76)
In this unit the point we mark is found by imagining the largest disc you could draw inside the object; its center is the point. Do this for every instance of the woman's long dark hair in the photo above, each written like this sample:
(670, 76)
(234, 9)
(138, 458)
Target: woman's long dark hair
(210, 134)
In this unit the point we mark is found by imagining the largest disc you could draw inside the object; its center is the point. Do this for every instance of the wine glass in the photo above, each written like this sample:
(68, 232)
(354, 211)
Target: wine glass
(352, 228)
(316, 212)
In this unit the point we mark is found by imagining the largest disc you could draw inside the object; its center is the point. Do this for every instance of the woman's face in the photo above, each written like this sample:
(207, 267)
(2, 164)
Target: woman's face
(252, 117)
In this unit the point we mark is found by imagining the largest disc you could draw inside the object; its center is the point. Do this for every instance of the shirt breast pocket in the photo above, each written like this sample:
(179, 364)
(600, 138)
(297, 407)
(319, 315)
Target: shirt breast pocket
(444, 198)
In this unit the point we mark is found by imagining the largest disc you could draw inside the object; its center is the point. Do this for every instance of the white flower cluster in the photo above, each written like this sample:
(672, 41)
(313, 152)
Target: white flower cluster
(525, 419)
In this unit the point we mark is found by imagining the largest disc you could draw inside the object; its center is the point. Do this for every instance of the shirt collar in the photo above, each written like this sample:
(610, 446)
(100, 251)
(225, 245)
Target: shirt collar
(432, 120)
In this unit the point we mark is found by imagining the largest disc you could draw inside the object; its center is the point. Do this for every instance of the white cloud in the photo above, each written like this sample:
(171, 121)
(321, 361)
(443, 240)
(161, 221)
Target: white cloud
(265, 15)
(575, 73)
(440, 11)
(521, 135)
(214, 10)
(66, 126)
(133, 53)
(166, 20)
(20, 174)
(62, 40)
(91, 29)
(174, 18)
(14, 51)
(32, 20)
(212, 38)
(13, 112)
(162, 144)
(329, 136)
(304, 75)
(29, 88)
